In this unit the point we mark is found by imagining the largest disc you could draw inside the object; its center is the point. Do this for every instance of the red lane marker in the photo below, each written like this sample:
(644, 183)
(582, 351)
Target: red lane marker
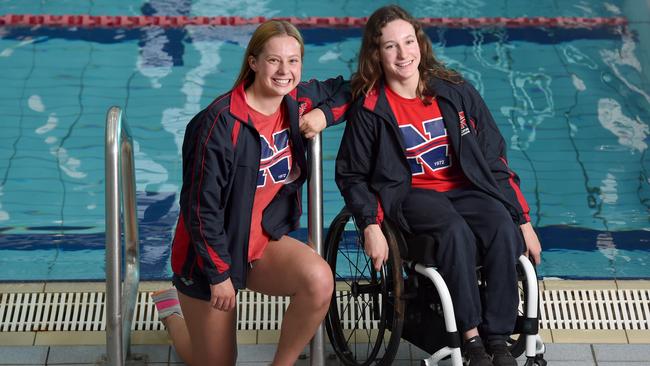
(137, 21)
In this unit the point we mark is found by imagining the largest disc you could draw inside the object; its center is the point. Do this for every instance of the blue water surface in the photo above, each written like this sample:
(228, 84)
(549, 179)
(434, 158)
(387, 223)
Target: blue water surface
(572, 104)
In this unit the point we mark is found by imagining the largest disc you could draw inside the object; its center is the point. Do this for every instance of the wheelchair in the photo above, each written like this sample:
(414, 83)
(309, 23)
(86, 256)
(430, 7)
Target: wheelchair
(371, 311)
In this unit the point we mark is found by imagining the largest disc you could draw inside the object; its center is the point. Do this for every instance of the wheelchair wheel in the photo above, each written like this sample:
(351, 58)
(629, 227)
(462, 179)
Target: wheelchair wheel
(365, 318)
(517, 342)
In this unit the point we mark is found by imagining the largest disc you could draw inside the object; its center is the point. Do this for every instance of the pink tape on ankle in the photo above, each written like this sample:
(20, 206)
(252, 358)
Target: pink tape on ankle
(166, 304)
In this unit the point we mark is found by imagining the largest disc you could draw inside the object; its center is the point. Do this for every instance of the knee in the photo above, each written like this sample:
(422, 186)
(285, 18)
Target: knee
(319, 283)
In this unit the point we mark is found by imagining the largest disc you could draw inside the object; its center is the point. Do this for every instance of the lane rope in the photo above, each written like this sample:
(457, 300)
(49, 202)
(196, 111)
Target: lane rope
(137, 21)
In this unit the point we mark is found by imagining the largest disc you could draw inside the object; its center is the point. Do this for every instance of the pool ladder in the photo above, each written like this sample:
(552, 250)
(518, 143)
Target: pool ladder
(120, 174)
(120, 200)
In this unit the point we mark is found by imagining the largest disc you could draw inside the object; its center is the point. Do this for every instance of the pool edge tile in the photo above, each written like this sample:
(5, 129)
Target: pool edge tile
(633, 284)
(17, 338)
(247, 336)
(638, 336)
(547, 335)
(21, 287)
(268, 336)
(151, 286)
(579, 284)
(63, 287)
(63, 338)
(589, 336)
(150, 337)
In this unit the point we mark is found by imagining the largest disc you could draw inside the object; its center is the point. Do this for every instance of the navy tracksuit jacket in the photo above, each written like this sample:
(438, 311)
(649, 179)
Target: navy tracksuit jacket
(221, 157)
(371, 165)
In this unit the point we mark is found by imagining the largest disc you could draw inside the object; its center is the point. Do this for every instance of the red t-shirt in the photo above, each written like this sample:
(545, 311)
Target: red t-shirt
(275, 166)
(428, 150)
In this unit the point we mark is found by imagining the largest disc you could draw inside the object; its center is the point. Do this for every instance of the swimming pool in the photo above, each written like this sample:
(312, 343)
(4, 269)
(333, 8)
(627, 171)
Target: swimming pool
(573, 105)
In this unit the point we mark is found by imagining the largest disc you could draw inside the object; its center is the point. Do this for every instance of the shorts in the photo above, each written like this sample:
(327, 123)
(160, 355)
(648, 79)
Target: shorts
(197, 287)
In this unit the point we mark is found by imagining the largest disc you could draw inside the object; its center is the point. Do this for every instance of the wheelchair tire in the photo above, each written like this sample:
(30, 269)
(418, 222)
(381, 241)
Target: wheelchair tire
(366, 315)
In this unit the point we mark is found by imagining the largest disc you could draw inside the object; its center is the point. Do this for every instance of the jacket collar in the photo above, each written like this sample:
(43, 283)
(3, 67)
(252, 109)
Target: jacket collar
(376, 101)
(239, 108)
(449, 101)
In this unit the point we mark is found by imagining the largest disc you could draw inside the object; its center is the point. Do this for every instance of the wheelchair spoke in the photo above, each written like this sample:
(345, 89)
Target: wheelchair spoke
(361, 312)
(355, 326)
(342, 279)
(349, 260)
(367, 267)
(357, 259)
(363, 272)
(364, 303)
(367, 329)
(342, 296)
(347, 305)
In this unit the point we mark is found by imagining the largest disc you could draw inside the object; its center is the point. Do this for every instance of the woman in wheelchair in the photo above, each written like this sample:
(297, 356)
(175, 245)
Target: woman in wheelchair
(421, 148)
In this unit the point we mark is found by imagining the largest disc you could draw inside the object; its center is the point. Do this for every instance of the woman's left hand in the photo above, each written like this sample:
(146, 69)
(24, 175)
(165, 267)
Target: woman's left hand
(533, 246)
(312, 123)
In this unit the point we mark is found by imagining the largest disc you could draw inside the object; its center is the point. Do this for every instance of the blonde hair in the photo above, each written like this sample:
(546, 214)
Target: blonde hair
(370, 71)
(262, 34)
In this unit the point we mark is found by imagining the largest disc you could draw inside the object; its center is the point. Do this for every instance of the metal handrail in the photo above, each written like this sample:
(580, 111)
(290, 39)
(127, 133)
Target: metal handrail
(315, 213)
(120, 200)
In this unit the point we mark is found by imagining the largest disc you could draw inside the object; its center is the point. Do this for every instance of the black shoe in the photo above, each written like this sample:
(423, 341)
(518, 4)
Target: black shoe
(474, 353)
(501, 355)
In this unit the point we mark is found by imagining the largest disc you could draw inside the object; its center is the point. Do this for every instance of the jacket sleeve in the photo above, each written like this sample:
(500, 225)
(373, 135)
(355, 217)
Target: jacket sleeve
(332, 96)
(354, 168)
(210, 168)
(494, 149)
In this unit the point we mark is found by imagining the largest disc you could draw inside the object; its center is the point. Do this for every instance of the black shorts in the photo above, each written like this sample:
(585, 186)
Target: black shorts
(198, 287)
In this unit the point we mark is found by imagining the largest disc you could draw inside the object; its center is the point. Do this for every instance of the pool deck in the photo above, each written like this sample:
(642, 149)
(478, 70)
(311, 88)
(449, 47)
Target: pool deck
(566, 354)
(577, 347)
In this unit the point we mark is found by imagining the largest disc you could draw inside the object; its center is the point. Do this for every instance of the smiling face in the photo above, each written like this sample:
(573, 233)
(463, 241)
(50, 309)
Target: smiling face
(399, 53)
(278, 67)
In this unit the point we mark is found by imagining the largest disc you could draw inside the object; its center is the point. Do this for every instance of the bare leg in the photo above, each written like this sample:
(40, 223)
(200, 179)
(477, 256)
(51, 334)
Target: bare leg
(291, 268)
(170, 314)
(177, 331)
(212, 333)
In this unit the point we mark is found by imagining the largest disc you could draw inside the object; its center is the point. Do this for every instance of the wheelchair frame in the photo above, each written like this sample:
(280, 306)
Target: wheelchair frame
(379, 298)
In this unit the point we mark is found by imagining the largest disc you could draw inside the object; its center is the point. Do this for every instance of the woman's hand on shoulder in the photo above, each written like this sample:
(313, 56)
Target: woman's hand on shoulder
(375, 245)
(312, 123)
(533, 246)
(223, 296)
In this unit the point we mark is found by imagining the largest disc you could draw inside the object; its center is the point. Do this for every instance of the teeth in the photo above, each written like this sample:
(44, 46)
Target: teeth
(282, 81)
(405, 64)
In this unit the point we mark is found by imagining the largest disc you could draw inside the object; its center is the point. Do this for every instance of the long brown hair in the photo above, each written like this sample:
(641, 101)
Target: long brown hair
(370, 71)
(262, 34)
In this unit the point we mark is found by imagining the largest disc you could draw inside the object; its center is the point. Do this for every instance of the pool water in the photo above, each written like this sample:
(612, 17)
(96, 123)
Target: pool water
(573, 105)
